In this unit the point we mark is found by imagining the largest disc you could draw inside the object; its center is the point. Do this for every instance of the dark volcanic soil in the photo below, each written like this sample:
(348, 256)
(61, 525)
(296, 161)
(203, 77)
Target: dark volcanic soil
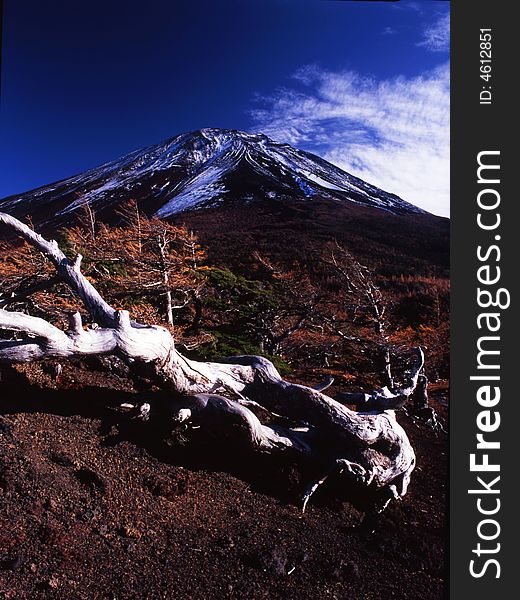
(94, 504)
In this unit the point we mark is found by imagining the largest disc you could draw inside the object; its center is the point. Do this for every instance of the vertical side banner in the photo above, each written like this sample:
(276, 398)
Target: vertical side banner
(483, 422)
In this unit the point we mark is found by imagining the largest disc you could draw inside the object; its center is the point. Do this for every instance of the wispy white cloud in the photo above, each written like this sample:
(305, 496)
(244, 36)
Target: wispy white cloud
(392, 133)
(437, 37)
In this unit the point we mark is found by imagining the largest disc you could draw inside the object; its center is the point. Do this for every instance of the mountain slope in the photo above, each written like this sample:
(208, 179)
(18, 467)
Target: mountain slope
(201, 169)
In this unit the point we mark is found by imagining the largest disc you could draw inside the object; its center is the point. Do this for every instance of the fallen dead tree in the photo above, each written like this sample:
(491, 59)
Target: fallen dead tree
(368, 447)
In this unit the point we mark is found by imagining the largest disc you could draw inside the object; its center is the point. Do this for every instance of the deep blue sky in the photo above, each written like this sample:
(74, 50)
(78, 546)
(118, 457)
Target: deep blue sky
(86, 82)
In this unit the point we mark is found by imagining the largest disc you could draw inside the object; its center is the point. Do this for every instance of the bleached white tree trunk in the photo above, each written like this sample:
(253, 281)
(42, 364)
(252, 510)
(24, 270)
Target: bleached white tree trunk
(368, 447)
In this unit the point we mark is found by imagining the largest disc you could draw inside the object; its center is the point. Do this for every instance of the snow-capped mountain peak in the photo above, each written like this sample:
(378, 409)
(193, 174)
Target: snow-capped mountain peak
(201, 169)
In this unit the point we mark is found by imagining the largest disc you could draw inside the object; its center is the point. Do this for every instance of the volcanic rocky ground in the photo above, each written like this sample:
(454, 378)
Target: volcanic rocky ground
(94, 504)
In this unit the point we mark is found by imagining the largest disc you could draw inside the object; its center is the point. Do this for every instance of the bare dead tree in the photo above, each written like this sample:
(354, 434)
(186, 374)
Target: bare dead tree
(363, 300)
(278, 417)
(157, 259)
(275, 324)
(87, 218)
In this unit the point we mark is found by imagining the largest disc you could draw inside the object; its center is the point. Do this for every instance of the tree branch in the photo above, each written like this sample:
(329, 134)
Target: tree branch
(23, 295)
(69, 272)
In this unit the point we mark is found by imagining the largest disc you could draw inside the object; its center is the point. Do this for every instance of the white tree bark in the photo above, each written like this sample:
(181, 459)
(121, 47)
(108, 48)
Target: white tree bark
(368, 447)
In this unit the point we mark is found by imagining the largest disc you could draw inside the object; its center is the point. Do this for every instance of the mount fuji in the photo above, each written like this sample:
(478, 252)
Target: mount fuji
(203, 169)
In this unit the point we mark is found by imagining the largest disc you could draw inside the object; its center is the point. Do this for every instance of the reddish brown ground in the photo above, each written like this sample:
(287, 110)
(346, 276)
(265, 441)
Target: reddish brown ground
(93, 505)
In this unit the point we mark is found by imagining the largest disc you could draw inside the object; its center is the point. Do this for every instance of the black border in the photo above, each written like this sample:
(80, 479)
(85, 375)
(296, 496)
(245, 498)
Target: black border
(474, 128)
